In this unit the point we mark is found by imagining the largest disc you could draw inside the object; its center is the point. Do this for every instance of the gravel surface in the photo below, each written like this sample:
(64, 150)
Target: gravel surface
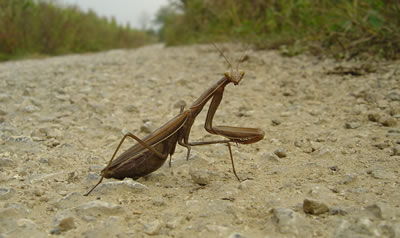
(328, 166)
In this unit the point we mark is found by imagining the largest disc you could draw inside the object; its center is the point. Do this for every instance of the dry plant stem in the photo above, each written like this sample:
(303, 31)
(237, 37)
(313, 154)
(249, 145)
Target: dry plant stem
(151, 152)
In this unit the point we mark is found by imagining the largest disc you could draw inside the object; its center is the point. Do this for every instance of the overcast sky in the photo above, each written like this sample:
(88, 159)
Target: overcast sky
(136, 12)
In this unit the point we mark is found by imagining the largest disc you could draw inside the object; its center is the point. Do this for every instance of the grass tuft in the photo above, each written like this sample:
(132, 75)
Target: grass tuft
(32, 28)
(342, 28)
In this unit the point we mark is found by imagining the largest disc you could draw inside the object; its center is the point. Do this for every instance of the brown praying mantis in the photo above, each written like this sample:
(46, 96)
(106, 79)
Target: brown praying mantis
(151, 152)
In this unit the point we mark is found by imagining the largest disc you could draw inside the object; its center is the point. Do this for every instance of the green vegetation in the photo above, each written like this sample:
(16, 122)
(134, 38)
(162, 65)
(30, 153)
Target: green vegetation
(342, 28)
(32, 27)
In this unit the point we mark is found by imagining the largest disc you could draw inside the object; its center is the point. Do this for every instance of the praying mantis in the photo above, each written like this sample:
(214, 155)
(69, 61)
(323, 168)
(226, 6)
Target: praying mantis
(150, 153)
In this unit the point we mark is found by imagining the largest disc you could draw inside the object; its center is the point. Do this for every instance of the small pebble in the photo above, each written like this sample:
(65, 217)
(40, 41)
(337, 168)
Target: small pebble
(198, 172)
(271, 157)
(236, 235)
(276, 122)
(379, 173)
(6, 193)
(38, 192)
(382, 145)
(393, 96)
(30, 109)
(174, 222)
(395, 134)
(131, 109)
(337, 211)
(147, 127)
(68, 201)
(5, 97)
(383, 210)
(287, 220)
(394, 111)
(305, 145)
(246, 184)
(374, 117)
(396, 150)
(152, 228)
(158, 201)
(388, 121)
(27, 228)
(4, 162)
(352, 125)
(243, 112)
(97, 208)
(93, 176)
(281, 153)
(334, 168)
(63, 222)
(127, 185)
(314, 207)
(349, 178)
(44, 160)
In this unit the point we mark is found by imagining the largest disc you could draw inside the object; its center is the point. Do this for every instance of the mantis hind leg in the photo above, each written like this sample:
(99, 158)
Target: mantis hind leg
(227, 142)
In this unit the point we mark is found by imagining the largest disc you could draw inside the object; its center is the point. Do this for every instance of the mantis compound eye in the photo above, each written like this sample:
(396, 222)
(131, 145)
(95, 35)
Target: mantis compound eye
(227, 75)
(241, 75)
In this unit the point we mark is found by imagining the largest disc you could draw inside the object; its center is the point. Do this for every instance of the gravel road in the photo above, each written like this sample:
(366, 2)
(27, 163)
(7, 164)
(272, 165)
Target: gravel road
(329, 165)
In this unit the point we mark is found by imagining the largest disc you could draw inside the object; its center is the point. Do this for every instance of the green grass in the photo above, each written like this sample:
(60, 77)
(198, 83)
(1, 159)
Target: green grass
(341, 28)
(33, 28)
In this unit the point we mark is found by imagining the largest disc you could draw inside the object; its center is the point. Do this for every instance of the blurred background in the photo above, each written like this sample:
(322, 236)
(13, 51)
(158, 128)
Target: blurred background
(343, 29)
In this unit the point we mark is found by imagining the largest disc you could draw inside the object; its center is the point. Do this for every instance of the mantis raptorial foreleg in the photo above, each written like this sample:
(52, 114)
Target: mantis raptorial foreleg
(240, 135)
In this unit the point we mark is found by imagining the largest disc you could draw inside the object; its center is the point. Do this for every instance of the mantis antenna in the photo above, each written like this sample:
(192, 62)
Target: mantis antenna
(227, 60)
(222, 53)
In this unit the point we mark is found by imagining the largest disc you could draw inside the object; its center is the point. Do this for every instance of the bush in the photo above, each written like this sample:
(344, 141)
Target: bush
(344, 28)
(30, 27)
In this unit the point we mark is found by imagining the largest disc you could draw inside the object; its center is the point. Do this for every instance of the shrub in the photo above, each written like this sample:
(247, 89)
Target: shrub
(344, 28)
(30, 27)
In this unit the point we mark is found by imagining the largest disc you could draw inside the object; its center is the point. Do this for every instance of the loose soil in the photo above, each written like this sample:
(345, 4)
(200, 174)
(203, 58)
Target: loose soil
(332, 140)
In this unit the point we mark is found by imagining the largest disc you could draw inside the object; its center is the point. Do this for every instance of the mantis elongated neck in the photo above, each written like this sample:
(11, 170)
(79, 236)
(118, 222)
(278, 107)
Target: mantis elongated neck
(198, 105)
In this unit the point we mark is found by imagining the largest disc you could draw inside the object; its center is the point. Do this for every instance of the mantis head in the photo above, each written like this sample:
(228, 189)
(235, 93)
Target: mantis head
(234, 75)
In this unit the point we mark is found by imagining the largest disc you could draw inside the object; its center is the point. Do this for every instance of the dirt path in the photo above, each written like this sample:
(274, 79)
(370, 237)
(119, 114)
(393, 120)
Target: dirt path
(331, 146)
